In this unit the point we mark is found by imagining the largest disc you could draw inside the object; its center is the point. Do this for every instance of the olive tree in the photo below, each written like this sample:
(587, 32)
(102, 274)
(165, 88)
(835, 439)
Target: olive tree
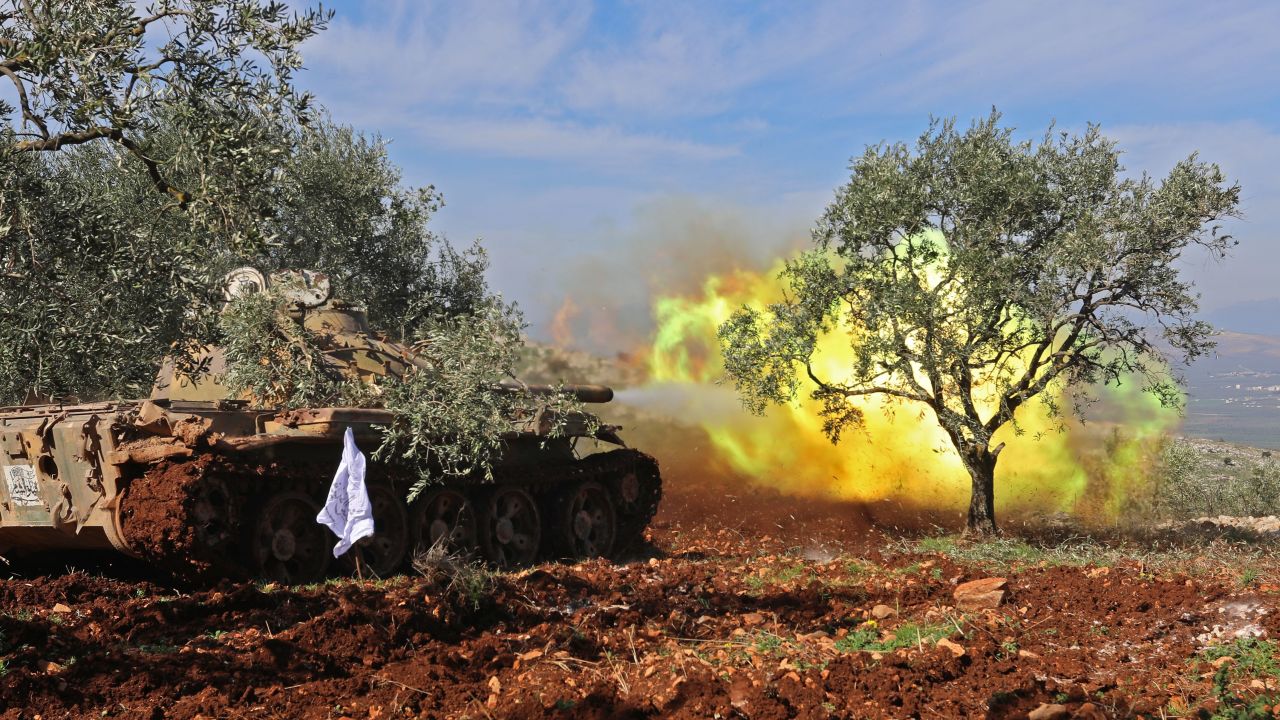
(98, 281)
(973, 273)
(346, 212)
(109, 71)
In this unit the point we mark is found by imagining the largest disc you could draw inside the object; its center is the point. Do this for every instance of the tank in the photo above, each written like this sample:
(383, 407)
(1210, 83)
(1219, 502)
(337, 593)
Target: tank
(204, 486)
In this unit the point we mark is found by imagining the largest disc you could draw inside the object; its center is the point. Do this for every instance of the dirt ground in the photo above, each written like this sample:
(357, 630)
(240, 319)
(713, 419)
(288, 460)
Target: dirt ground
(746, 604)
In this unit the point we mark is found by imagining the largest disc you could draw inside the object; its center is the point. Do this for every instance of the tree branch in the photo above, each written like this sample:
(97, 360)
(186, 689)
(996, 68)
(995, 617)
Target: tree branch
(23, 104)
(153, 170)
(54, 142)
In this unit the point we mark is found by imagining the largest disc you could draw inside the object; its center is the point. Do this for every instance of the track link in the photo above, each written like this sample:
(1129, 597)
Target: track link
(196, 518)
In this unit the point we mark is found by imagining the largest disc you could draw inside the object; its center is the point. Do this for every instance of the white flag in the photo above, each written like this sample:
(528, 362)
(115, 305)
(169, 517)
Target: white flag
(347, 511)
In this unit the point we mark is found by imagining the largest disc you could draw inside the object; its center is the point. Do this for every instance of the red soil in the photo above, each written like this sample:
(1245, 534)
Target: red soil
(742, 608)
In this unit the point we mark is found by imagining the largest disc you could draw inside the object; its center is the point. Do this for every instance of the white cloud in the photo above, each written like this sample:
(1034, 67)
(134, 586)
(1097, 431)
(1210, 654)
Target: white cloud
(1005, 51)
(441, 52)
(683, 59)
(597, 145)
(713, 99)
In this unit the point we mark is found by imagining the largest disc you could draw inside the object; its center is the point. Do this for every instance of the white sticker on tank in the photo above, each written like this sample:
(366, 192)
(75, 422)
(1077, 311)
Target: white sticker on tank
(23, 488)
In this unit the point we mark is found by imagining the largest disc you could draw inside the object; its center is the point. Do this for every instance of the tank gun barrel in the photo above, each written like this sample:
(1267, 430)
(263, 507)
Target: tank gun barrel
(584, 393)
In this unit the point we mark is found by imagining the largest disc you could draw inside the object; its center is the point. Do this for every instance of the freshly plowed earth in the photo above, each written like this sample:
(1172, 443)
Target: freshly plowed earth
(746, 604)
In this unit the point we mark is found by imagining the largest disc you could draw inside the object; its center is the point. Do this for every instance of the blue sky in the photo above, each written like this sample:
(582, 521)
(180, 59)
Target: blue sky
(610, 151)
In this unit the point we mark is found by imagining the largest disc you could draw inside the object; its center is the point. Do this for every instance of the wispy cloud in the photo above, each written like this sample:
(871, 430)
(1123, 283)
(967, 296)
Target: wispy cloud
(727, 100)
(1031, 51)
(692, 58)
(407, 52)
(562, 140)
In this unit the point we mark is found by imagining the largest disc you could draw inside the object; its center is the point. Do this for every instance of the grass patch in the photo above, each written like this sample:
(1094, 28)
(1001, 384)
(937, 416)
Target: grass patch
(1251, 658)
(1153, 553)
(156, 649)
(472, 581)
(757, 583)
(1249, 577)
(857, 568)
(867, 637)
(941, 544)
(1000, 551)
(767, 643)
(790, 573)
(1231, 705)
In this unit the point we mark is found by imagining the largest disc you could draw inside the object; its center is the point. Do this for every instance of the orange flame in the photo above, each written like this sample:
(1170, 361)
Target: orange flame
(562, 322)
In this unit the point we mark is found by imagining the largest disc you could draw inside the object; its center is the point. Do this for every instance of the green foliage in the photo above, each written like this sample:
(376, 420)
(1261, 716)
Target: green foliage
(1232, 706)
(1248, 577)
(767, 643)
(1193, 480)
(1252, 658)
(100, 274)
(449, 418)
(99, 281)
(972, 273)
(110, 71)
(868, 638)
(451, 415)
(347, 214)
(270, 357)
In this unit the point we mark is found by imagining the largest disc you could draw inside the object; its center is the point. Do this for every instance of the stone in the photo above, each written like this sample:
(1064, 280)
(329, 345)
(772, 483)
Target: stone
(984, 594)
(881, 612)
(1049, 711)
(740, 692)
(1089, 711)
(955, 649)
(60, 608)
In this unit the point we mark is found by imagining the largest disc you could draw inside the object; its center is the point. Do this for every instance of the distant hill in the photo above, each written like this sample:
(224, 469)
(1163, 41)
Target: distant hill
(1234, 394)
(1239, 351)
(1259, 317)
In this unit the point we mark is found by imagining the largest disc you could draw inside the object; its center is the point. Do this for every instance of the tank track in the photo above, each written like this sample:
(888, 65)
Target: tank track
(196, 518)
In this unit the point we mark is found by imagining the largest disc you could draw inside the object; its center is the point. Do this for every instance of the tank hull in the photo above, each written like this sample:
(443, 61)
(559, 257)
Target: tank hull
(211, 489)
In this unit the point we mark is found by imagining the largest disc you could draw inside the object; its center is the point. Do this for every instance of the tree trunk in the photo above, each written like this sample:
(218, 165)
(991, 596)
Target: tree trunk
(981, 464)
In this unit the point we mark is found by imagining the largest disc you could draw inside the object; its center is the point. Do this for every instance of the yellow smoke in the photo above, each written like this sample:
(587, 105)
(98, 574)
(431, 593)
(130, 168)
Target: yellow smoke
(902, 454)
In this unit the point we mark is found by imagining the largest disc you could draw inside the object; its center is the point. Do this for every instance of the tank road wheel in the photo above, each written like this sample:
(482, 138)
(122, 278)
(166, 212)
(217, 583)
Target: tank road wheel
(638, 490)
(213, 512)
(588, 522)
(444, 516)
(287, 545)
(385, 550)
(510, 529)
